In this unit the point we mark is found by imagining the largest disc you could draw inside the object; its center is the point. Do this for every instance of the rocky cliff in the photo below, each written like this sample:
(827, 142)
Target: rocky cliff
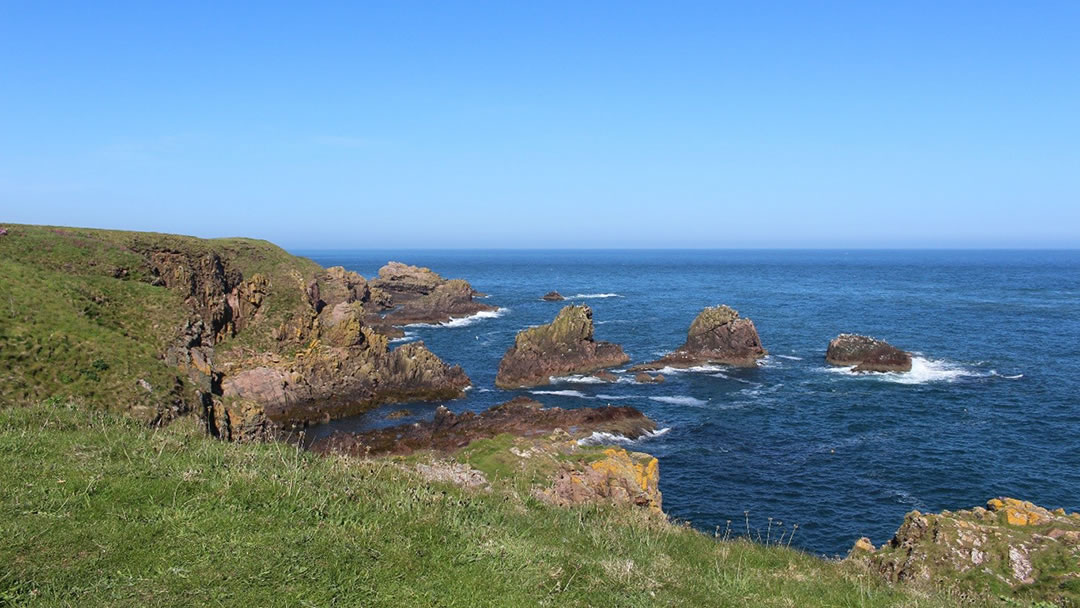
(251, 338)
(564, 346)
(718, 335)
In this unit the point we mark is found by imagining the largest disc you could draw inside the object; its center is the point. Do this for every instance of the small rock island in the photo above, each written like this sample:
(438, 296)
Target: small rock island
(564, 346)
(717, 336)
(867, 354)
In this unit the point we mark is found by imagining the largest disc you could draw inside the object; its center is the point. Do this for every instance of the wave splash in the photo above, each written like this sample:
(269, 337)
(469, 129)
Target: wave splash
(923, 371)
(578, 394)
(679, 400)
(590, 296)
(465, 321)
(602, 438)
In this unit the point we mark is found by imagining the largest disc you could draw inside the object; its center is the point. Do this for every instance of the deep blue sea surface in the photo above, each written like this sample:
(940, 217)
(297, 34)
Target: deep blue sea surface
(992, 406)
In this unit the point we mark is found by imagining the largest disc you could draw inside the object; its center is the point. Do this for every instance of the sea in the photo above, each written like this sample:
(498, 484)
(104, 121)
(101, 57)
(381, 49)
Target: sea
(990, 408)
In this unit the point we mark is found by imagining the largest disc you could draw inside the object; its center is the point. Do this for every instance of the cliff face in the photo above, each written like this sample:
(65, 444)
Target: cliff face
(564, 346)
(251, 338)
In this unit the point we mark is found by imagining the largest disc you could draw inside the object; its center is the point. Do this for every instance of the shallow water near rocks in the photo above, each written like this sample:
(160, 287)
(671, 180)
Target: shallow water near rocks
(990, 407)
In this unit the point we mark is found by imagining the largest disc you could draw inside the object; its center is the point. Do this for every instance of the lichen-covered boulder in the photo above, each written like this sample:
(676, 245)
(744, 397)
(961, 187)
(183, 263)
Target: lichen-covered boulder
(564, 346)
(1009, 547)
(867, 354)
(717, 336)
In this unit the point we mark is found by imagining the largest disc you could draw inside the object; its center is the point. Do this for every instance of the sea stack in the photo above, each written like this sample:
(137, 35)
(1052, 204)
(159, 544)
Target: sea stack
(423, 296)
(564, 346)
(717, 336)
(553, 296)
(867, 354)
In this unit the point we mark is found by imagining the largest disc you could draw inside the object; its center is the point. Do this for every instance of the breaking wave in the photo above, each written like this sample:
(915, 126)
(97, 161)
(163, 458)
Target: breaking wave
(923, 371)
(562, 393)
(464, 321)
(679, 400)
(602, 438)
(589, 296)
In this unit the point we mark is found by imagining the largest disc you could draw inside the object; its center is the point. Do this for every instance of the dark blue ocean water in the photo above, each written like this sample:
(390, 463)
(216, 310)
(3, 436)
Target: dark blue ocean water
(991, 408)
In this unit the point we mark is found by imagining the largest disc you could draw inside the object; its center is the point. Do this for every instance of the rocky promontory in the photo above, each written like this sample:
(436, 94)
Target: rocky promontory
(551, 447)
(867, 354)
(564, 346)
(1009, 547)
(717, 336)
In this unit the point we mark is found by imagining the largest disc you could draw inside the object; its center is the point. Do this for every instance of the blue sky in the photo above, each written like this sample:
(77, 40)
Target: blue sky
(548, 124)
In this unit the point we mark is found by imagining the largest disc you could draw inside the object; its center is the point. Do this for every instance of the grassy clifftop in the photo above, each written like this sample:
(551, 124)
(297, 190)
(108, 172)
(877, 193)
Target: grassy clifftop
(99, 510)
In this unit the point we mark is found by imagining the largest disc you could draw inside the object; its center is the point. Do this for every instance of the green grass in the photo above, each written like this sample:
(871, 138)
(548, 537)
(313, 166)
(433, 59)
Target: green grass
(99, 510)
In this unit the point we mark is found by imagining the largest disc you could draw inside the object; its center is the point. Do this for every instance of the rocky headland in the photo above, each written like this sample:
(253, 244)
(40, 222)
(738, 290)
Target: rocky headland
(564, 346)
(717, 336)
(866, 354)
(1009, 547)
(549, 447)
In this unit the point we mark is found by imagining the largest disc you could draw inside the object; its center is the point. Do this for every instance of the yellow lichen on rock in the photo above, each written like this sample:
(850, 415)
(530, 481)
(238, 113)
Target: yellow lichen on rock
(643, 469)
(1019, 512)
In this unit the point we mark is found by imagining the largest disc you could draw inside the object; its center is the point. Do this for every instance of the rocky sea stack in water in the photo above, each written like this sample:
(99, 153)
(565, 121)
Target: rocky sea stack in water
(422, 296)
(867, 354)
(553, 296)
(564, 346)
(717, 336)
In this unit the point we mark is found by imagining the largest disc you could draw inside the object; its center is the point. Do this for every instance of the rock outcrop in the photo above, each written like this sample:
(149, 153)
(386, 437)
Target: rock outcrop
(717, 336)
(564, 346)
(553, 296)
(1007, 547)
(549, 446)
(419, 295)
(867, 354)
(643, 378)
(522, 417)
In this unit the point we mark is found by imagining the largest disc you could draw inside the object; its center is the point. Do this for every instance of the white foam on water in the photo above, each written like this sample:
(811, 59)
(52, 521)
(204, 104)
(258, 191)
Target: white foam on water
(995, 373)
(483, 390)
(727, 377)
(464, 321)
(697, 369)
(923, 371)
(563, 394)
(602, 438)
(589, 296)
(408, 337)
(679, 400)
(790, 357)
(577, 379)
(615, 397)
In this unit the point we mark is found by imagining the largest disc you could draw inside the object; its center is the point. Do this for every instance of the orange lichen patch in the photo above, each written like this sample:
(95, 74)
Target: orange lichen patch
(1019, 512)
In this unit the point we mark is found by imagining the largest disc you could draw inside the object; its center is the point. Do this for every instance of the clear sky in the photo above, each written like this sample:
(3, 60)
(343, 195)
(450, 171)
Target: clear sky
(548, 124)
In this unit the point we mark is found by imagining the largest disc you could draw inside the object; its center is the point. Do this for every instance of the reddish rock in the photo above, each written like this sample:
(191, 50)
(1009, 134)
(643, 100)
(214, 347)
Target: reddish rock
(867, 354)
(523, 417)
(553, 296)
(564, 346)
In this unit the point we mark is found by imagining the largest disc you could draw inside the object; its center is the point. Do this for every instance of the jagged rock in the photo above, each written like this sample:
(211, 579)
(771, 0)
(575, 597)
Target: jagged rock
(605, 376)
(564, 346)
(553, 296)
(1011, 543)
(717, 336)
(644, 378)
(619, 477)
(524, 417)
(867, 354)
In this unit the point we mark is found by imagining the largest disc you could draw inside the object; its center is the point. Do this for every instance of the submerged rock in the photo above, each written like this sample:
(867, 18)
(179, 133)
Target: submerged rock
(1011, 544)
(644, 378)
(564, 346)
(717, 336)
(553, 296)
(867, 354)
(522, 417)
(606, 376)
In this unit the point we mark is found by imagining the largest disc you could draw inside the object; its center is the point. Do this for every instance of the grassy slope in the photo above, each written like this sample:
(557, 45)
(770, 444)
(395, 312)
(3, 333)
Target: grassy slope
(70, 328)
(96, 509)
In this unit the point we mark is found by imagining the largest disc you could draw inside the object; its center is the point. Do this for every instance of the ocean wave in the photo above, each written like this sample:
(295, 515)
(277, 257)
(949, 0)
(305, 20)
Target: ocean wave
(563, 394)
(602, 438)
(697, 369)
(679, 400)
(577, 379)
(995, 373)
(790, 357)
(408, 337)
(589, 296)
(727, 377)
(614, 397)
(923, 371)
(464, 321)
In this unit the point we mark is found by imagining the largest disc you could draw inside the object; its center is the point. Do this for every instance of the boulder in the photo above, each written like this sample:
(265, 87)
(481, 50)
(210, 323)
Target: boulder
(644, 378)
(606, 376)
(717, 336)
(867, 354)
(564, 346)
(553, 296)
(1010, 541)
